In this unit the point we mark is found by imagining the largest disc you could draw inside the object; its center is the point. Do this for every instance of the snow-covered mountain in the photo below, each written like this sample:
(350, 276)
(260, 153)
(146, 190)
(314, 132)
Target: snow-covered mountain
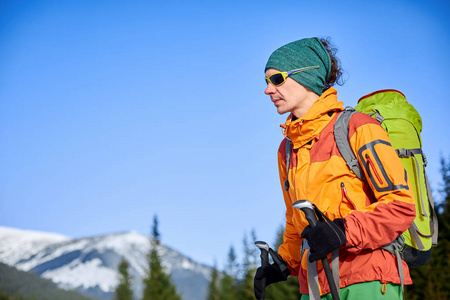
(90, 265)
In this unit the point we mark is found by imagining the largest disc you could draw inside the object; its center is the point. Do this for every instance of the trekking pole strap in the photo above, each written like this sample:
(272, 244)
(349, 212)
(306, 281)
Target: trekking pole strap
(313, 280)
(335, 268)
(313, 277)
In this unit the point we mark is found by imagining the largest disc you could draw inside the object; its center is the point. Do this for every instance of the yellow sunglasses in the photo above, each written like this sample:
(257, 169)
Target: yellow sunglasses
(279, 78)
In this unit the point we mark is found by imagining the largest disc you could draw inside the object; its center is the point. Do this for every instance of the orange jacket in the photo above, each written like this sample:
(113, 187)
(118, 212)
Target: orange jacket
(374, 214)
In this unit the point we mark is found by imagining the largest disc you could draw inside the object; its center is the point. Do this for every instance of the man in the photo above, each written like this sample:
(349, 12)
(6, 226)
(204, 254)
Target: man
(364, 214)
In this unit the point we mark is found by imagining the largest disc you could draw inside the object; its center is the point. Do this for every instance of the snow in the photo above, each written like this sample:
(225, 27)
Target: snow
(186, 264)
(86, 275)
(88, 262)
(17, 244)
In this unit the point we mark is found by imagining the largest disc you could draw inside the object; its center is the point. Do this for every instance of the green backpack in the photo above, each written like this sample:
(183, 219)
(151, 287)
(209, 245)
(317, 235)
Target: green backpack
(403, 124)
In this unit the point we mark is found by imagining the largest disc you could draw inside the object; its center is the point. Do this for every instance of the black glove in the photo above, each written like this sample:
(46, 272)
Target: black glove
(272, 273)
(324, 238)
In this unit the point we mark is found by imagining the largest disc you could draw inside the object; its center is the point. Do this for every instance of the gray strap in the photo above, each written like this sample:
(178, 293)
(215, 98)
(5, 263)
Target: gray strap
(394, 247)
(343, 144)
(424, 213)
(424, 158)
(409, 152)
(378, 116)
(400, 268)
(313, 280)
(305, 246)
(415, 235)
(413, 229)
(288, 162)
(402, 153)
(335, 268)
(313, 277)
(433, 220)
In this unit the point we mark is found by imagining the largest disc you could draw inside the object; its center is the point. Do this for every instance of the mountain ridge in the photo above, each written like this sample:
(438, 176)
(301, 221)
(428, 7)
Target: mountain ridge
(89, 265)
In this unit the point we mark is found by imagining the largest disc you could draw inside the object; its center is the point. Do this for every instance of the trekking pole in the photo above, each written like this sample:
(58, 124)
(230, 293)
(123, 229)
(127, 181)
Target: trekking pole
(278, 260)
(264, 247)
(307, 208)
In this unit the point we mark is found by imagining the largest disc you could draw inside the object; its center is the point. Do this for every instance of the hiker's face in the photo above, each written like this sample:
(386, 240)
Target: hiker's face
(290, 96)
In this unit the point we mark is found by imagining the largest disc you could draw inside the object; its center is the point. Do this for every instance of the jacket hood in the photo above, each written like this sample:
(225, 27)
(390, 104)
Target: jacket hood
(309, 126)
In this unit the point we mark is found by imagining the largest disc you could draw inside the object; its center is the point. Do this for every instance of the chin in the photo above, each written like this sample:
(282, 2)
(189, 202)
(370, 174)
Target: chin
(281, 111)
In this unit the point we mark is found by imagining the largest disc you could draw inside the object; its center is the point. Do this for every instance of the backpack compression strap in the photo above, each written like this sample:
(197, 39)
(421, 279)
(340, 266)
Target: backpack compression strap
(414, 230)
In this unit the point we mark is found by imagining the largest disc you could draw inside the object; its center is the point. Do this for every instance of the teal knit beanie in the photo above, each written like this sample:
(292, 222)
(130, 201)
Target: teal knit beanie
(304, 53)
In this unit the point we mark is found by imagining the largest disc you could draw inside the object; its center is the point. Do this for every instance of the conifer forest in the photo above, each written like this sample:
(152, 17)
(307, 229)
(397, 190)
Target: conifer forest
(235, 281)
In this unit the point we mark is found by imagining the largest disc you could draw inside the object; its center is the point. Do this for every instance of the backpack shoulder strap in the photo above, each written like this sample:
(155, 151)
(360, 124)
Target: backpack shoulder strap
(343, 144)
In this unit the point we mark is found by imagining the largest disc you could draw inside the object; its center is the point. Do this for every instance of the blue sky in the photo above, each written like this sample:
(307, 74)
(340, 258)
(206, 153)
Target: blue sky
(114, 111)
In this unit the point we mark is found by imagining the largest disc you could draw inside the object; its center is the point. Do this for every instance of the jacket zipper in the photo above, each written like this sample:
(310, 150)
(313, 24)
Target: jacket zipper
(369, 161)
(345, 195)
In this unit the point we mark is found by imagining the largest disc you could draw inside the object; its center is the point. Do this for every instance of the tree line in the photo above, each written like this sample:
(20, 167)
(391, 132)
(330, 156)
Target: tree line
(235, 281)
(21, 285)
(430, 282)
(157, 284)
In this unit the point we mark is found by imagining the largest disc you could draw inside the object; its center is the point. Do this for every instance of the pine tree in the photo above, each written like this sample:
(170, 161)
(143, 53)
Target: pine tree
(213, 288)
(232, 266)
(157, 284)
(245, 289)
(444, 207)
(251, 252)
(123, 290)
(3, 296)
(228, 280)
(432, 281)
(287, 290)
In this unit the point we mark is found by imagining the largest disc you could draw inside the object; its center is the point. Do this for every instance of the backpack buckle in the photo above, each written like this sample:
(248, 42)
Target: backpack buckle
(379, 117)
(353, 163)
(402, 153)
(424, 158)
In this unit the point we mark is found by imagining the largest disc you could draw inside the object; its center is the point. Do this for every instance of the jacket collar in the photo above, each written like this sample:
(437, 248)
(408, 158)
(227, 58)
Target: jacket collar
(303, 130)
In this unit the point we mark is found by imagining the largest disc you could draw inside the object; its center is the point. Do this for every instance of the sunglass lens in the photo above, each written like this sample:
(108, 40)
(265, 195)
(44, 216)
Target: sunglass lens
(276, 79)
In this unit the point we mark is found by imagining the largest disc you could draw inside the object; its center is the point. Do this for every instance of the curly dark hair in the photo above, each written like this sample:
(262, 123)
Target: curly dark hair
(336, 69)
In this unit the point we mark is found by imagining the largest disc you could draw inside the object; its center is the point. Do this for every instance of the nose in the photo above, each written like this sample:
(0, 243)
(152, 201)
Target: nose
(270, 89)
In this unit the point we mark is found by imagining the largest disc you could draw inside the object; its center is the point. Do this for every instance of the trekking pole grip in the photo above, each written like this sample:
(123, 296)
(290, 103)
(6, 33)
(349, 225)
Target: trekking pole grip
(308, 210)
(310, 215)
(264, 247)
